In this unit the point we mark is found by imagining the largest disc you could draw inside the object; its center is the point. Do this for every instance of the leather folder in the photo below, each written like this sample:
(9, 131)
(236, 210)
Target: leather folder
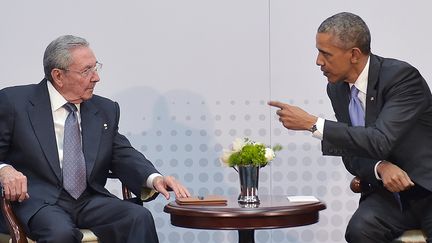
(206, 200)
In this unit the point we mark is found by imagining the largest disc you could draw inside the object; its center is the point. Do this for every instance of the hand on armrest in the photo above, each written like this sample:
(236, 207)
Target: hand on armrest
(14, 184)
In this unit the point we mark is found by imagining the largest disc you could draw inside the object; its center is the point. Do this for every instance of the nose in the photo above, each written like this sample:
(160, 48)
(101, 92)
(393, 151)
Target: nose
(95, 77)
(319, 60)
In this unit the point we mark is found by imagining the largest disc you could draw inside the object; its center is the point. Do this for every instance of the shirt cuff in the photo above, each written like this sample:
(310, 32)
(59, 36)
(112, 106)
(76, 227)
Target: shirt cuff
(376, 172)
(320, 129)
(149, 182)
(4, 165)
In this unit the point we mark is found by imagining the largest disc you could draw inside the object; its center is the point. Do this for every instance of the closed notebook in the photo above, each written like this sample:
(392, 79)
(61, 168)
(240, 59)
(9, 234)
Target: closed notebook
(207, 200)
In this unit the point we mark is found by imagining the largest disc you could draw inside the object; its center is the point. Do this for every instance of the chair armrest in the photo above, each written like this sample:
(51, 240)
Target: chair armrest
(355, 185)
(16, 231)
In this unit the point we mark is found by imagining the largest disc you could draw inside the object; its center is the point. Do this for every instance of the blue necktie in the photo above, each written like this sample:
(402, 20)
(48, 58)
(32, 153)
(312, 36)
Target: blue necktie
(355, 107)
(357, 116)
(73, 167)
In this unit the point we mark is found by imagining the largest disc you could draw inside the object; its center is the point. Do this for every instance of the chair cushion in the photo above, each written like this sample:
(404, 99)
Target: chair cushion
(4, 238)
(88, 237)
(411, 236)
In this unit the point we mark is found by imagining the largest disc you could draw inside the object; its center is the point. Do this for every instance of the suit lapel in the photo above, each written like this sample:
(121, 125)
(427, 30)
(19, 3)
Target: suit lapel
(40, 115)
(371, 99)
(91, 125)
(344, 99)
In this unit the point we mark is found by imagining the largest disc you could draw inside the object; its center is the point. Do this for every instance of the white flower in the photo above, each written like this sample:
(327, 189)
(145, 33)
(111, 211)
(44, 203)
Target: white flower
(238, 144)
(269, 154)
(226, 155)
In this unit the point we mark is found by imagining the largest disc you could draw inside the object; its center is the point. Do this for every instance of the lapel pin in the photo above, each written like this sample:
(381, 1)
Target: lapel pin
(372, 98)
(105, 126)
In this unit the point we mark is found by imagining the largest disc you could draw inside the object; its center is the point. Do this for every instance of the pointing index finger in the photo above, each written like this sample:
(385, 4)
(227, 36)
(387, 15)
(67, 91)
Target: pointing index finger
(277, 104)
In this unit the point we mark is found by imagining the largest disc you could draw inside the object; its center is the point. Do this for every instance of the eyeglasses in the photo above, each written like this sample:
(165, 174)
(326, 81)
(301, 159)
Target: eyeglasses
(89, 71)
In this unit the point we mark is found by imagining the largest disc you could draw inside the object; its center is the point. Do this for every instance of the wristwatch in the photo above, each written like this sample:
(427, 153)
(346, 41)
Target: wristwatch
(313, 128)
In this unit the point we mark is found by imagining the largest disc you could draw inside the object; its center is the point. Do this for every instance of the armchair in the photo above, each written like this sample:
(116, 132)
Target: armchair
(409, 236)
(17, 234)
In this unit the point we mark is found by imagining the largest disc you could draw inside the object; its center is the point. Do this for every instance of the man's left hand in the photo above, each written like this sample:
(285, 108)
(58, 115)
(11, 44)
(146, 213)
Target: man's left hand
(394, 178)
(163, 183)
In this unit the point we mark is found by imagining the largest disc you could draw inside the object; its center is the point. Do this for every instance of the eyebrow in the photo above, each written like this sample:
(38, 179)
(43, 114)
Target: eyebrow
(324, 52)
(89, 66)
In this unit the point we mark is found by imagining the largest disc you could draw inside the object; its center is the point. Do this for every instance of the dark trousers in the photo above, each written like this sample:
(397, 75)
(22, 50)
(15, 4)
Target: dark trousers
(379, 218)
(111, 219)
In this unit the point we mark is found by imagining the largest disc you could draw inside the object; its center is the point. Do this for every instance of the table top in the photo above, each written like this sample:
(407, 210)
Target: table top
(272, 212)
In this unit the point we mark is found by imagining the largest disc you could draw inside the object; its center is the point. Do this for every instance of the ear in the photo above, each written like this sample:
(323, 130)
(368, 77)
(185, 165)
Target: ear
(356, 55)
(57, 76)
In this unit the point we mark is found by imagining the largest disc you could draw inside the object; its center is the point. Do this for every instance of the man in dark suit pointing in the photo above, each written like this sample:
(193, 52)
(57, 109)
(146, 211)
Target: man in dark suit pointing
(383, 132)
(58, 142)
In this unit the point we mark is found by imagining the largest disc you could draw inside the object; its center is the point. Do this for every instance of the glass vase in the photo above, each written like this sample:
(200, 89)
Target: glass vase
(249, 176)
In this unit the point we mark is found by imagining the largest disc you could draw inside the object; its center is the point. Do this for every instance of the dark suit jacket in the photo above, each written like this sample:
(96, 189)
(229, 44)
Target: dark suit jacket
(398, 123)
(28, 143)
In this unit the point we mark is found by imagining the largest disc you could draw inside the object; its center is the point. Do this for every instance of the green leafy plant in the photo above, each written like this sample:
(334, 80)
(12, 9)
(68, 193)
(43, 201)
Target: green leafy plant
(247, 152)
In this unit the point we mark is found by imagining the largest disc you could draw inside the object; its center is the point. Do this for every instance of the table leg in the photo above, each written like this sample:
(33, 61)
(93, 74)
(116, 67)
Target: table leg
(246, 236)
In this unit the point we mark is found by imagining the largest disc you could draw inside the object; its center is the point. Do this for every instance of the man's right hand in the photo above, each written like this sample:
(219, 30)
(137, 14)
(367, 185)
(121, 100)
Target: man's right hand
(14, 184)
(394, 178)
(293, 117)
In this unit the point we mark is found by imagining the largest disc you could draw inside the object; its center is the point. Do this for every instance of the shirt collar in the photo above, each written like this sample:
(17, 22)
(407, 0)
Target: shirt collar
(362, 80)
(57, 100)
